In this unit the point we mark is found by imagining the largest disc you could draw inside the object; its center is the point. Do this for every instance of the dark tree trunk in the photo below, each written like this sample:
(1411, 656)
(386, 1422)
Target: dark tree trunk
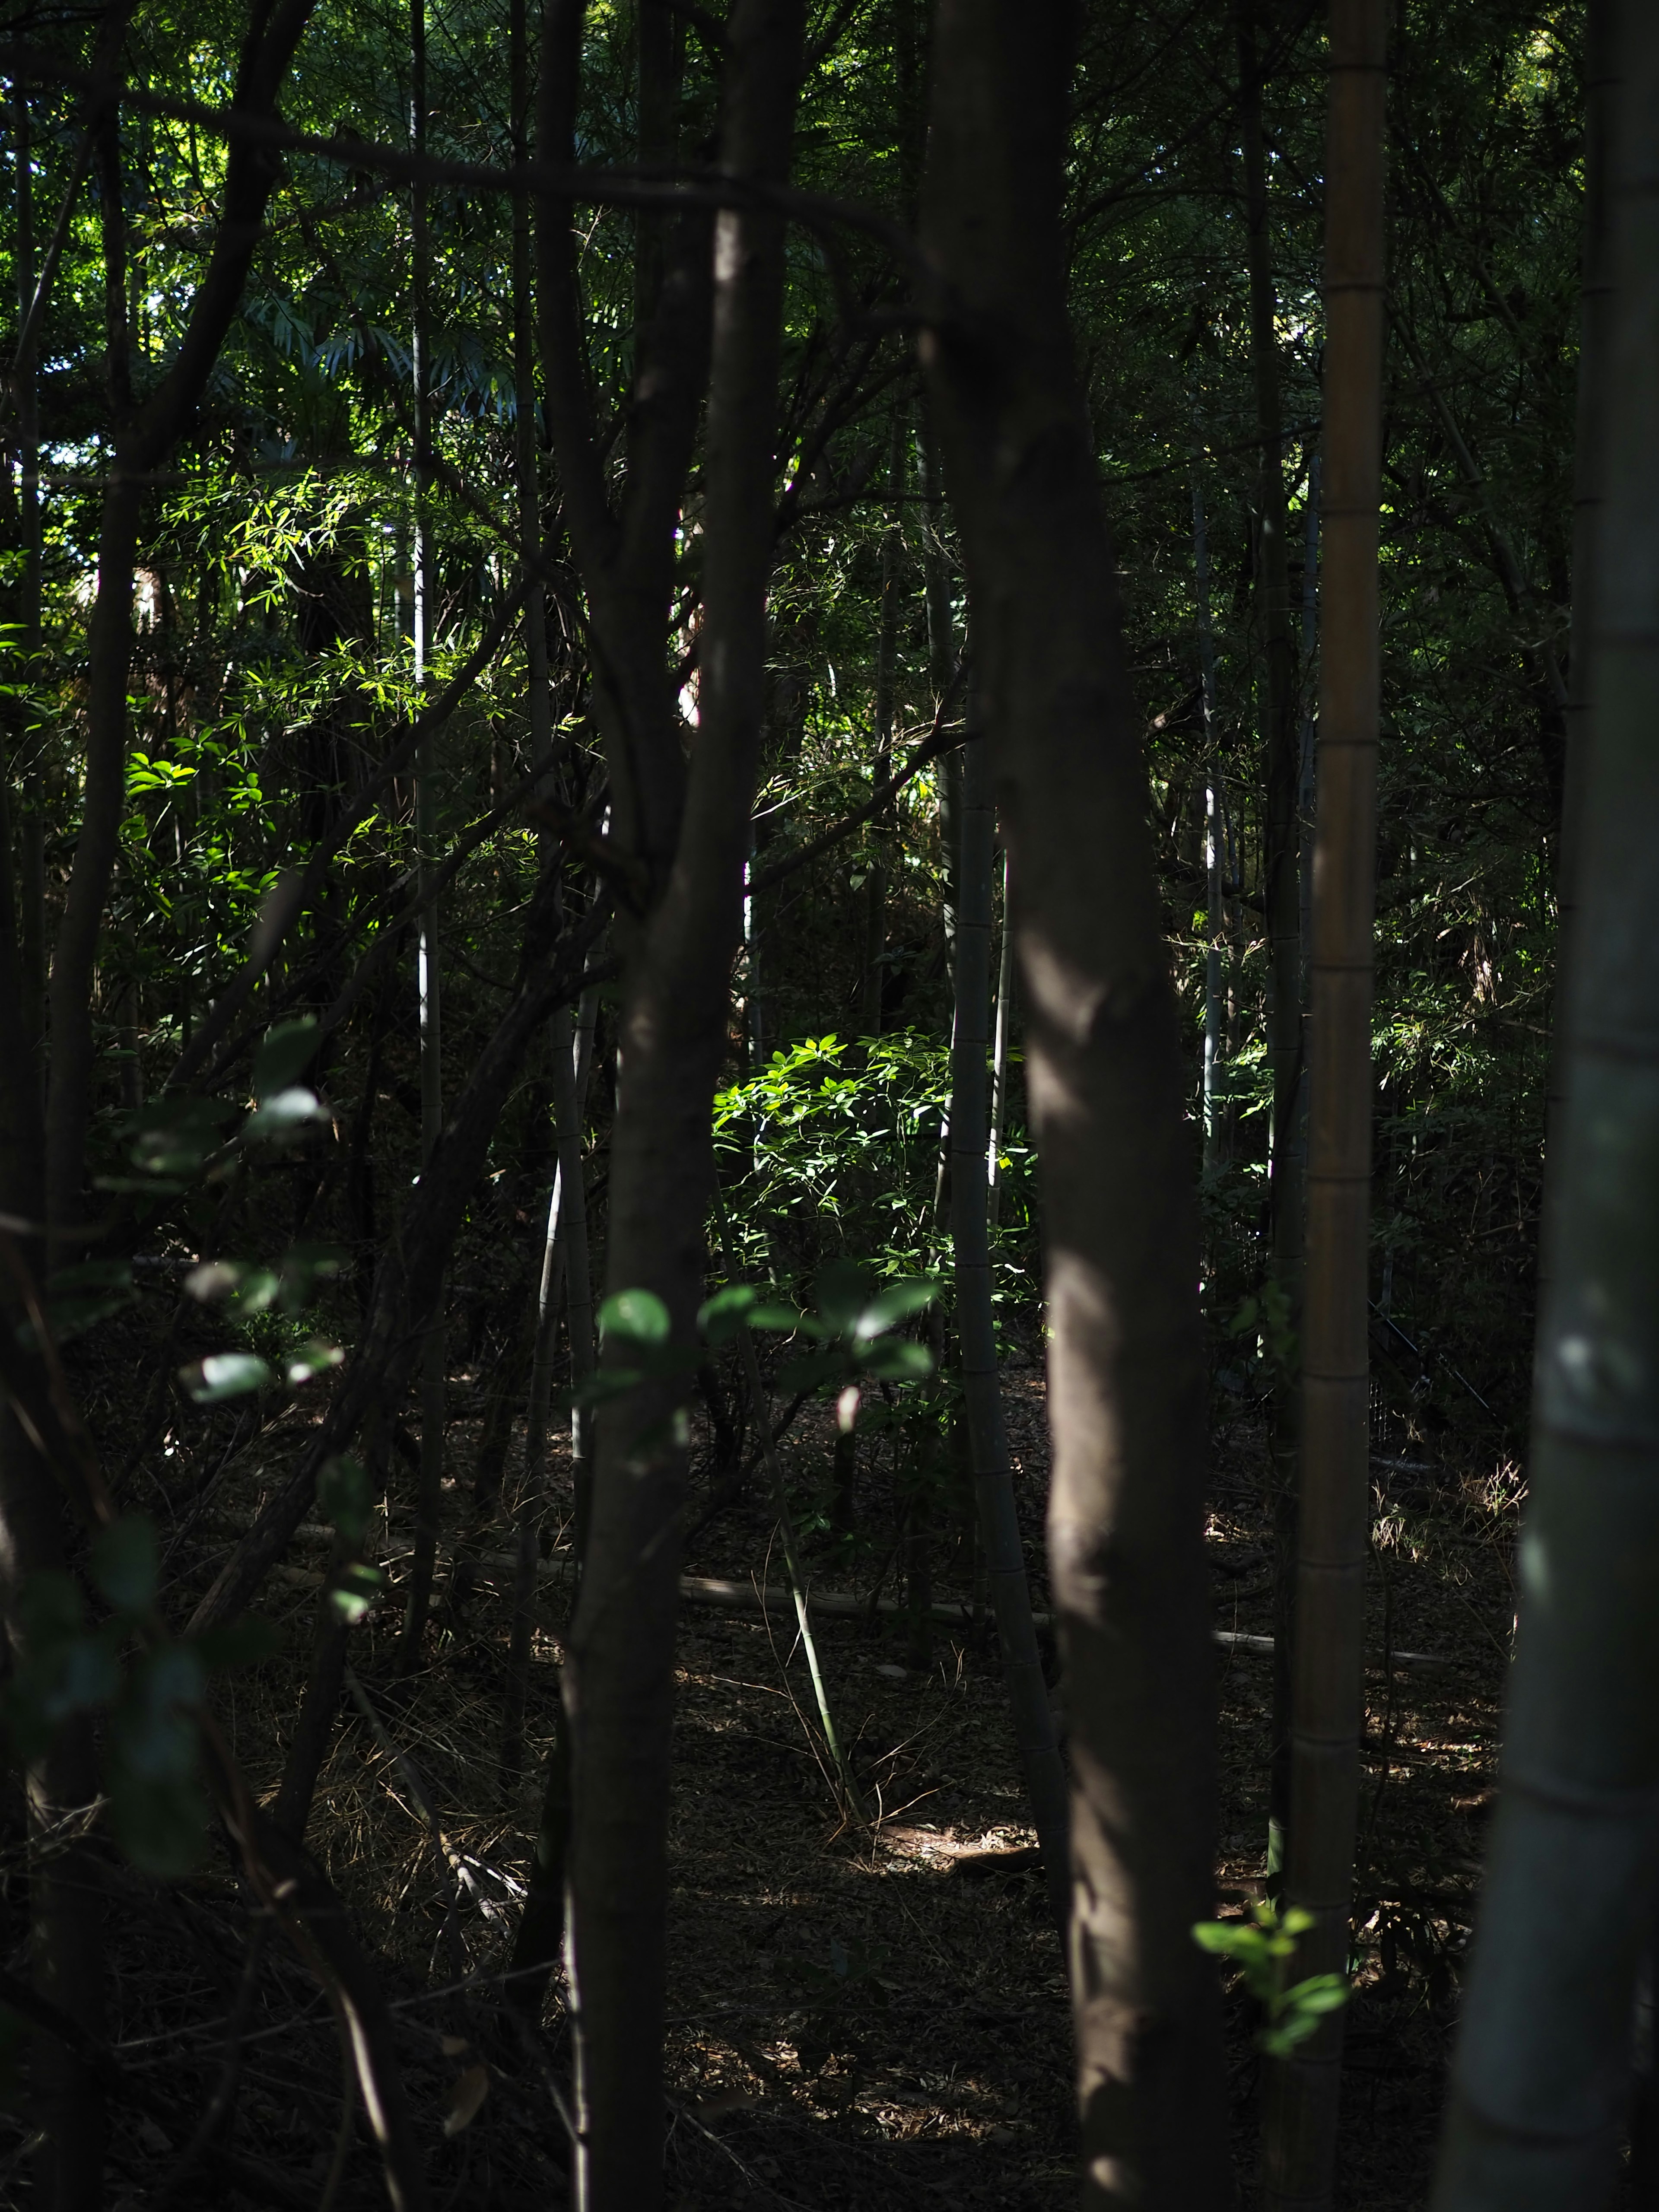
(1127, 1388)
(672, 1024)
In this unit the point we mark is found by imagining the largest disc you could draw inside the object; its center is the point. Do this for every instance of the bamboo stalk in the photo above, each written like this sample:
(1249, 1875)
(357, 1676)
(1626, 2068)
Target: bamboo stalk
(1327, 1694)
(1542, 2076)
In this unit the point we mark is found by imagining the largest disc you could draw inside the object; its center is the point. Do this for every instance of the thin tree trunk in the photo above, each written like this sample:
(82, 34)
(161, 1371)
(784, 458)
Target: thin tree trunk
(143, 437)
(1305, 788)
(1215, 916)
(1541, 2073)
(882, 826)
(982, 1381)
(541, 1924)
(1001, 1038)
(564, 1263)
(428, 1495)
(1328, 1692)
(1105, 1084)
(1281, 747)
(571, 1110)
(30, 824)
(619, 1672)
(941, 674)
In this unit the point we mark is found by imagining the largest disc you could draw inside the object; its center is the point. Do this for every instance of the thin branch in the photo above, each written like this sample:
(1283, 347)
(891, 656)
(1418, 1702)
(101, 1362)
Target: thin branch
(942, 739)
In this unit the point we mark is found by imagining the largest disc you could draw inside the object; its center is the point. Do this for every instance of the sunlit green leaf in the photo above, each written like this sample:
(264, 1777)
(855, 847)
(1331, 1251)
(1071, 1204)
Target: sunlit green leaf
(224, 1375)
(635, 1317)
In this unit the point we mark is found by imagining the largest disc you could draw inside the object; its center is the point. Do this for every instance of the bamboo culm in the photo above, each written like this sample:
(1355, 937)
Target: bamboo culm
(981, 1386)
(1542, 2075)
(1328, 1700)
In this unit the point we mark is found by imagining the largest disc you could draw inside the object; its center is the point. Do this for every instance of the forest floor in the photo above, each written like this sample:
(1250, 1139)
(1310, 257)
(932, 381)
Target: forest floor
(867, 2017)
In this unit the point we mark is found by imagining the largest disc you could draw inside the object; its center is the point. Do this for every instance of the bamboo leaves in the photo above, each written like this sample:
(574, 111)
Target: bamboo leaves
(1261, 1948)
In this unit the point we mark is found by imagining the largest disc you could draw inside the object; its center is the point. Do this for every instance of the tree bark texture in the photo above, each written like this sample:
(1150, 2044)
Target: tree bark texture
(1542, 2074)
(672, 1026)
(1105, 1085)
(981, 1383)
(1328, 1692)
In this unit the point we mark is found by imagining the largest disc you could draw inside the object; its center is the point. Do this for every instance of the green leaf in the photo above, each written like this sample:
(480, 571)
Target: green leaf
(1320, 1993)
(812, 1369)
(126, 1563)
(635, 1317)
(303, 1267)
(1231, 1939)
(785, 1318)
(224, 1375)
(724, 1315)
(346, 1496)
(356, 1590)
(257, 1291)
(283, 1114)
(173, 1136)
(894, 1303)
(896, 1360)
(288, 1051)
(843, 1290)
(215, 1278)
(314, 1357)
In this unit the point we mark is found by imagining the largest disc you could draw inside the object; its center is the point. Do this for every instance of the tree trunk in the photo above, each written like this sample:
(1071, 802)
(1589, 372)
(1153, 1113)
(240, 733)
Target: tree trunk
(1215, 914)
(1327, 1694)
(1590, 472)
(1127, 1366)
(982, 1381)
(142, 438)
(428, 1495)
(29, 822)
(883, 825)
(672, 1024)
(1541, 2072)
(1002, 1037)
(1283, 888)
